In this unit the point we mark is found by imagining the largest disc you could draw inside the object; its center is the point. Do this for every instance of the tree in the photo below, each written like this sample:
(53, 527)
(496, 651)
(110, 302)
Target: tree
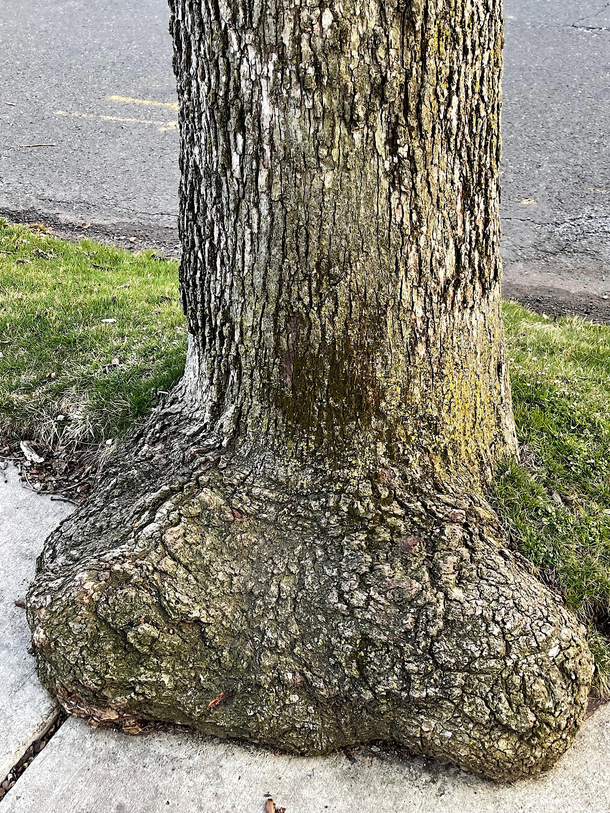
(296, 548)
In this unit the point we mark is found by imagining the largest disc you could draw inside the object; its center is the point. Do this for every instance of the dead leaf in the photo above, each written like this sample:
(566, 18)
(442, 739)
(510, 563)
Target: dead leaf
(108, 714)
(218, 700)
(30, 454)
(269, 806)
(132, 729)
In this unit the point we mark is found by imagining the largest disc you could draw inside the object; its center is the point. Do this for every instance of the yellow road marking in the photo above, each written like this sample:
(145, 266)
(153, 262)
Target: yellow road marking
(163, 126)
(130, 100)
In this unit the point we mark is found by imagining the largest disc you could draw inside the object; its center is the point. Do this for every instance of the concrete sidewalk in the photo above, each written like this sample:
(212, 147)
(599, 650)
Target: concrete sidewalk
(86, 771)
(26, 710)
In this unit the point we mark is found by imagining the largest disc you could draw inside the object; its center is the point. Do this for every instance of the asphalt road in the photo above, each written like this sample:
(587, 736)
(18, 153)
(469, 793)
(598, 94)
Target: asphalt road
(95, 81)
(556, 167)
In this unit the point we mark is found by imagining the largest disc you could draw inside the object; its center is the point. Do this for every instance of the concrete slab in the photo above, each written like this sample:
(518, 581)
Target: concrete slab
(26, 710)
(101, 771)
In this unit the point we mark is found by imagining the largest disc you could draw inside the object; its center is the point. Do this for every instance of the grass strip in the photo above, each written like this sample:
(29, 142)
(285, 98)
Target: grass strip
(88, 336)
(555, 502)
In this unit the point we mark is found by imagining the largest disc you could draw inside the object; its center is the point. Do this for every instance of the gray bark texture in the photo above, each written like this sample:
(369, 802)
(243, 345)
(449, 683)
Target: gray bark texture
(296, 548)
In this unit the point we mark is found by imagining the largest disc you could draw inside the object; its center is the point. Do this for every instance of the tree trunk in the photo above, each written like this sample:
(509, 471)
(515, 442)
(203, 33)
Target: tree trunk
(296, 548)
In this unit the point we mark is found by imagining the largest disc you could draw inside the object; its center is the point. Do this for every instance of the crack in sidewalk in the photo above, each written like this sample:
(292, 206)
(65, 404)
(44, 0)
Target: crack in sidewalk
(31, 753)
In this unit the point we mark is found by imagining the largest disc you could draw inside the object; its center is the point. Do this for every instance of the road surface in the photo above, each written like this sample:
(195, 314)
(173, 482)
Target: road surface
(95, 81)
(556, 167)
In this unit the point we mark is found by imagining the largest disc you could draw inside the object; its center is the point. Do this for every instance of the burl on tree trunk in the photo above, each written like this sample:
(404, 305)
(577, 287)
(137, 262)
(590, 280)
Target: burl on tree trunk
(296, 549)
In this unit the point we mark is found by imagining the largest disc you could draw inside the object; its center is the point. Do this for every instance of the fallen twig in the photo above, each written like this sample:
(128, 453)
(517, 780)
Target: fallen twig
(55, 498)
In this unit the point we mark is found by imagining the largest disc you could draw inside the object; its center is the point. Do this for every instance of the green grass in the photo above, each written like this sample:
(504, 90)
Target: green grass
(556, 502)
(57, 357)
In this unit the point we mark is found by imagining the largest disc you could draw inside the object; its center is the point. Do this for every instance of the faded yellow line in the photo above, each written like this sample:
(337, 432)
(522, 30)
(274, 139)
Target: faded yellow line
(149, 102)
(162, 125)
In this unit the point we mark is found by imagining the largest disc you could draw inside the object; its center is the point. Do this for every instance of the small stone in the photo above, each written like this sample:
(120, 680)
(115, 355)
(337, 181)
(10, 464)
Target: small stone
(30, 455)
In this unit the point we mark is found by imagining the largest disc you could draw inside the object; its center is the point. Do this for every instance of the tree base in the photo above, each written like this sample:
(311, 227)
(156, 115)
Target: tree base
(292, 608)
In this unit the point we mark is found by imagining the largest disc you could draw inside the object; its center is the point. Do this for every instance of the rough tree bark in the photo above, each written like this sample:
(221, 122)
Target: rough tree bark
(296, 548)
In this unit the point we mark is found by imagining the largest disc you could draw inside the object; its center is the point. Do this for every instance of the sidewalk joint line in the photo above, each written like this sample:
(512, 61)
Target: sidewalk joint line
(31, 752)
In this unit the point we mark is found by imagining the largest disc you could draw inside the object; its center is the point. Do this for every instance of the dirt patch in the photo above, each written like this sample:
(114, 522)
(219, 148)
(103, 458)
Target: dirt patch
(558, 302)
(161, 239)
